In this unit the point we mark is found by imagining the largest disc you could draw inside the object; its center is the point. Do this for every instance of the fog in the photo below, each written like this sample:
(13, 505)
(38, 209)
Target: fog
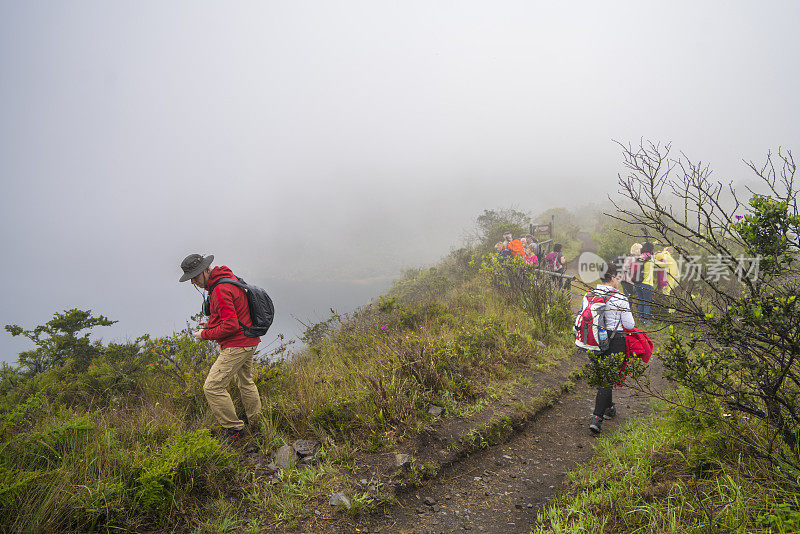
(319, 148)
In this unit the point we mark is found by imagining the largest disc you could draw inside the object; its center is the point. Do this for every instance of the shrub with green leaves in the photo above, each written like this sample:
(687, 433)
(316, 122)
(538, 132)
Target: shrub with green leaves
(184, 461)
(534, 292)
(58, 340)
(739, 337)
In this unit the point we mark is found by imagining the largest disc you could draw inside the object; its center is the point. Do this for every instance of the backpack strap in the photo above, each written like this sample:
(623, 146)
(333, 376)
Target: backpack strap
(607, 296)
(223, 281)
(235, 281)
(238, 282)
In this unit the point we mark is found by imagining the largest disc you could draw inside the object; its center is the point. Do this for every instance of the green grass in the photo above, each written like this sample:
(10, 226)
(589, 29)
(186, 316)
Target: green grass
(379, 373)
(79, 472)
(123, 442)
(672, 472)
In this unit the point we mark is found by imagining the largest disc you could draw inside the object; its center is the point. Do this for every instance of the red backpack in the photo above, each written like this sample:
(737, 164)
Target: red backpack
(590, 324)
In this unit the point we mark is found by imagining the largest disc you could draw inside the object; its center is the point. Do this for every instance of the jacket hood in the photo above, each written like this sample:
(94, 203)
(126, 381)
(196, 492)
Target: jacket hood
(218, 273)
(603, 288)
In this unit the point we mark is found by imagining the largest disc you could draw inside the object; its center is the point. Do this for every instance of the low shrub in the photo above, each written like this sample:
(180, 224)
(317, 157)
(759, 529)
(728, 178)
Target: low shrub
(185, 461)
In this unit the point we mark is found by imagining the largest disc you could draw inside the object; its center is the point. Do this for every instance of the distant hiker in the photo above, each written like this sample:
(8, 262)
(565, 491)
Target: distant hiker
(533, 244)
(539, 251)
(228, 316)
(554, 261)
(669, 276)
(627, 270)
(517, 248)
(605, 315)
(643, 279)
(530, 255)
(502, 250)
(667, 263)
(507, 239)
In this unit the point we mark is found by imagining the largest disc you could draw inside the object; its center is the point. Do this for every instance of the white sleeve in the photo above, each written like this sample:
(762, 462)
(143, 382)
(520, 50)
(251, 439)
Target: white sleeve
(623, 307)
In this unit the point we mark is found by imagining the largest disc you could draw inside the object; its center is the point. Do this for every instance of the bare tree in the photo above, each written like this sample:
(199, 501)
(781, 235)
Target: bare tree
(737, 340)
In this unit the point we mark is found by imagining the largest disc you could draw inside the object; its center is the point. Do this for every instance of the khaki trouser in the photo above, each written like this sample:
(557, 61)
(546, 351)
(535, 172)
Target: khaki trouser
(236, 363)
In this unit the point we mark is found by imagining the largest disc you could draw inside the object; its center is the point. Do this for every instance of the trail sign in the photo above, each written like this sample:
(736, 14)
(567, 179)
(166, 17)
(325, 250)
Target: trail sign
(541, 230)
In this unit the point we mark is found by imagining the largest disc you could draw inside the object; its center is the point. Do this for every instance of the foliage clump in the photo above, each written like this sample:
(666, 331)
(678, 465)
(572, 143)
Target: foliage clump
(182, 462)
(115, 436)
(736, 337)
(57, 340)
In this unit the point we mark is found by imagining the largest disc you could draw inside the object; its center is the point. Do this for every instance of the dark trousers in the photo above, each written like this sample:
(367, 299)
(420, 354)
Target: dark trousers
(628, 289)
(603, 400)
(644, 294)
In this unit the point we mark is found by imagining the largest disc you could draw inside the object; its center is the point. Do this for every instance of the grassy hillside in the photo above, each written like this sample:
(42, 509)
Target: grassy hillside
(120, 437)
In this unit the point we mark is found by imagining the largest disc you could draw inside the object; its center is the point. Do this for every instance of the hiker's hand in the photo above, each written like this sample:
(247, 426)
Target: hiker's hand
(203, 324)
(197, 334)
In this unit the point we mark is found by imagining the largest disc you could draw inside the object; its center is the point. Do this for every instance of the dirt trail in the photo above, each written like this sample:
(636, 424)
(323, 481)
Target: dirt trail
(500, 489)
(587, 245)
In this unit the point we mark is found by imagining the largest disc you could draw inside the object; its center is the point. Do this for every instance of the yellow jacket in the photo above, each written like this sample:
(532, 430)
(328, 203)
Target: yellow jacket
(664, 260)
(647, 277)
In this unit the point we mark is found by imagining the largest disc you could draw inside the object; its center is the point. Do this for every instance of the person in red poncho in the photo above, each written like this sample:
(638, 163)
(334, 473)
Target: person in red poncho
(228, 312)
(517, 248)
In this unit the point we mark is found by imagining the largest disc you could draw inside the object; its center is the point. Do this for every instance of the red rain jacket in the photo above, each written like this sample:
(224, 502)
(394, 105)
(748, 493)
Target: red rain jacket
(228, 307)
(637, 344)
(516, 248)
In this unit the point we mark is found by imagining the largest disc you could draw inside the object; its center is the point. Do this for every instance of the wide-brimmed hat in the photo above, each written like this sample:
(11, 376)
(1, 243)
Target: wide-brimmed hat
(194, 264)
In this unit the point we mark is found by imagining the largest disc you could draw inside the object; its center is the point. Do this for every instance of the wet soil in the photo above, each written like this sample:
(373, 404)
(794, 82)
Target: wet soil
(501, 489)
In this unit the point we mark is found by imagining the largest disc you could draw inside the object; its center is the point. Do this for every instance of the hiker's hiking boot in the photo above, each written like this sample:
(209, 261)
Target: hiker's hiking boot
(596, 424)
(232, 435)
(610, 412)
(251, 423)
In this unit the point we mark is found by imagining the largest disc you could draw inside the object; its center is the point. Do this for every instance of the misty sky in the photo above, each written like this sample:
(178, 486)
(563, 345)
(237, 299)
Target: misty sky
(309, 142)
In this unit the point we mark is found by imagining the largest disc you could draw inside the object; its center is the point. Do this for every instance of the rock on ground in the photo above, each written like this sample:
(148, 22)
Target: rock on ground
(340, 499)
(435, 411)
(306, 447)
(285, 456)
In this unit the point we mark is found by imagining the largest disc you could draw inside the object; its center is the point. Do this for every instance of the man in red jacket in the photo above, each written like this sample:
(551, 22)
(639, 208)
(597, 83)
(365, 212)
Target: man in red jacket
(227, 312)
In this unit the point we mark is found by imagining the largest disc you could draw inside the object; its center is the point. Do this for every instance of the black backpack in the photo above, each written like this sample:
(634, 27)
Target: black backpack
(262, 310)
(619, 261)
(637, 268)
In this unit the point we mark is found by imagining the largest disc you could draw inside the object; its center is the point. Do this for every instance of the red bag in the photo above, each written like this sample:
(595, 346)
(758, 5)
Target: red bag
(591, 321)
(637, 344)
